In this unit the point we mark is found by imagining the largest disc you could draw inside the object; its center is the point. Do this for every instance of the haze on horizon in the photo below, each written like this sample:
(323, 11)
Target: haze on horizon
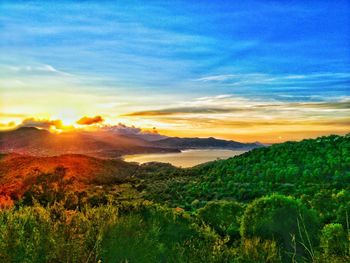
(264, 71)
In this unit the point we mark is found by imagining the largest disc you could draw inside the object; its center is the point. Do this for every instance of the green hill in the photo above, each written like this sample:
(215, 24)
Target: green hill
(303, 169)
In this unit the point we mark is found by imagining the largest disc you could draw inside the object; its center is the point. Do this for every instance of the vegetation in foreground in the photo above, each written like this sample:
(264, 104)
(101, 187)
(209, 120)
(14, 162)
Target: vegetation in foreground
(286, 203)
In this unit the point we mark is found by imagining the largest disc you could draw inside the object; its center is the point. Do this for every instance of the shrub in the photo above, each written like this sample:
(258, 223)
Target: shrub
(284, 220)
(25, 235)
(156, 234)
(257, 250)
(36, 234)
(334, 240)
(222, 216)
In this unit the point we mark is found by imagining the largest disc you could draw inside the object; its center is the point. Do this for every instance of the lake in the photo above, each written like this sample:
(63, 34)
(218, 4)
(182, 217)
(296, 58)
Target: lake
(186, 158)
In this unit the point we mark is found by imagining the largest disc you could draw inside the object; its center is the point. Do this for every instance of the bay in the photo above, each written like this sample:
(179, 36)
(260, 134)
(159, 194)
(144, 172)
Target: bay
(185, 158)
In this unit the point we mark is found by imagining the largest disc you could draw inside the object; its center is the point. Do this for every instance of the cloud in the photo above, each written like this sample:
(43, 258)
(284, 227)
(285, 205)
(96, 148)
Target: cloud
(12, 115)
(8, 125)
(41, 123)
(90, 120)
(122, 129)
(38, 69)
(299, 80)
(341, 105)
(228, 104)
(229, 114)
(180, 110)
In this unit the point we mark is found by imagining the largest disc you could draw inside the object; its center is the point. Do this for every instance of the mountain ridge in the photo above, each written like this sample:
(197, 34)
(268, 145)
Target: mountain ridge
(210, 142)
(102, 144)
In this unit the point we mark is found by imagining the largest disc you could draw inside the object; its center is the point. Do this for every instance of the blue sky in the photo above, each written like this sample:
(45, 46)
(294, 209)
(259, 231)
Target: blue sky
(139, 57)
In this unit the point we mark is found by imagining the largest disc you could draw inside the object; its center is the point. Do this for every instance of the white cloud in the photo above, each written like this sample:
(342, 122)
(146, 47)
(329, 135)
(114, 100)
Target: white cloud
(246, 79)
(37, 69)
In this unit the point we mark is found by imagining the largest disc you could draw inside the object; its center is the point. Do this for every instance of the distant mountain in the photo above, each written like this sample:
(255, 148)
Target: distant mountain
(199, 143)
(103, 143)
(33, 141)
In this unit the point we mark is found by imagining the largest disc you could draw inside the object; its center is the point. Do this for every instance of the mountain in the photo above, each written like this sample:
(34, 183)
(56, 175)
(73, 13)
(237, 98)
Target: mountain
(102, 143)
(38, 142)
(197, 143)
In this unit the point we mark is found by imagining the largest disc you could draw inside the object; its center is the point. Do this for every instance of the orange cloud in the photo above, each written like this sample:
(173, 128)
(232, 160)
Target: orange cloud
(41, 123)
(90, 120)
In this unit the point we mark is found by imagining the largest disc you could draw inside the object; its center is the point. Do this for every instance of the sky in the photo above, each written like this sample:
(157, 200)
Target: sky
(266, 71)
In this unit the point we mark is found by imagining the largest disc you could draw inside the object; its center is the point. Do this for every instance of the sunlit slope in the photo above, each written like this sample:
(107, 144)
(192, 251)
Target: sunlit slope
(18, 173)
(33, 141)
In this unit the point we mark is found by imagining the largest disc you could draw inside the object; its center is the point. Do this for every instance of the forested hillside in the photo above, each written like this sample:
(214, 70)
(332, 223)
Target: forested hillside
(284, 203)
(301, 169)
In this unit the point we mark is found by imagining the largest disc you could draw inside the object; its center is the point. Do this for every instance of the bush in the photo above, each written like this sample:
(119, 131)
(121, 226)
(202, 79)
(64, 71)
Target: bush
(334, 241)
(36, 234)
(257, 250)
(284, 220)
(25, 236)
(156, 234)
(223, 216)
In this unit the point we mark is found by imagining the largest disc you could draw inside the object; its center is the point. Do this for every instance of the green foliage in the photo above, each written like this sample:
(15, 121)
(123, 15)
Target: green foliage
(281, 192)
(223, 216)
(283, 219)
(258, 250)
(36, 234)
(24, 236)
(155, 234)
(334, 240)
(292, 168)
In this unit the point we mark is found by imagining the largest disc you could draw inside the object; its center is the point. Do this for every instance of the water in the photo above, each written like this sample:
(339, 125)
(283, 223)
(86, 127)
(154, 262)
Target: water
(187, 158)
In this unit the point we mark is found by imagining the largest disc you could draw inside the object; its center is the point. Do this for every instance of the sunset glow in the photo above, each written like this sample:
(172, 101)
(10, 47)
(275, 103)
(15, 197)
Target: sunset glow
(174, 131)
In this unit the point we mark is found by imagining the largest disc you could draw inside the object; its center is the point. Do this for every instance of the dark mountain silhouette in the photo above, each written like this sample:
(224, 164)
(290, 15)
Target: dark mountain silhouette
(104, 144)
(196, 143)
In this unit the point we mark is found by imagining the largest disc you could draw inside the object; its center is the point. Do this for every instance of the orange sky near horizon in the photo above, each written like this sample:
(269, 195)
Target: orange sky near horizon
(271, 131)
(221, 116)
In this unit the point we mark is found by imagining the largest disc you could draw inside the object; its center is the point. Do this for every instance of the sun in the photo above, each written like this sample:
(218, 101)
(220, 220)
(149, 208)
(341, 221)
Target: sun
(68, 121)
(68, 117)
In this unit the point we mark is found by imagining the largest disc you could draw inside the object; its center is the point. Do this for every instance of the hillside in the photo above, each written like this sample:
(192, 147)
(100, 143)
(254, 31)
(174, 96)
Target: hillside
(19, 172)
(292, 168)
